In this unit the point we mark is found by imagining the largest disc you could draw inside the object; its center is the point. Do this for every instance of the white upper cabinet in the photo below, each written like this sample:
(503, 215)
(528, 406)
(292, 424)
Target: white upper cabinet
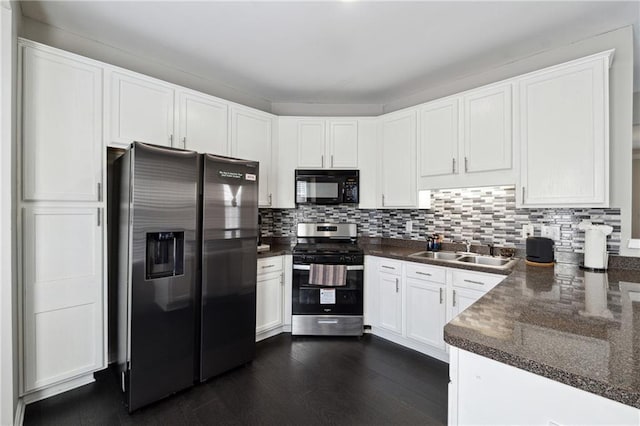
(203, 123)
(141, 110)
(251, 136)
(439, 130)
(398, 159)
(311, 137)
(564, 132)
(61, 127)
(327, 143)
(487, 130)
(342, 144)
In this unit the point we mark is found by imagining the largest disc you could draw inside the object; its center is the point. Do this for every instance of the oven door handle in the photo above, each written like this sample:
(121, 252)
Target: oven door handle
(349, 267)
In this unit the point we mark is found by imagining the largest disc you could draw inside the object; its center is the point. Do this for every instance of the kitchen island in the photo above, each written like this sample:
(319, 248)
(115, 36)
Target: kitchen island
(574, 340)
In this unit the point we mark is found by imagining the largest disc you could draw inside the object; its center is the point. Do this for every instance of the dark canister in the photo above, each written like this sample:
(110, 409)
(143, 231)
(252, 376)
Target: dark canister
(539, 250)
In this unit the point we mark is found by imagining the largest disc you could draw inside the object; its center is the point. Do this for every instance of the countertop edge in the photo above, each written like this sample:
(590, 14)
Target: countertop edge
(580, 382)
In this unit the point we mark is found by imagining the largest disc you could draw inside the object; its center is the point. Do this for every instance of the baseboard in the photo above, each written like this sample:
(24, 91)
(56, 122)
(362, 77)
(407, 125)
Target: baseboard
(269, 333)
(59, 388)
(19, 418)
(411, 344)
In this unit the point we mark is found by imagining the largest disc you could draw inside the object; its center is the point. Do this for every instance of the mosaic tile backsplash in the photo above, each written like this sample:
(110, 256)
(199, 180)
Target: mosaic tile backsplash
(481, 215)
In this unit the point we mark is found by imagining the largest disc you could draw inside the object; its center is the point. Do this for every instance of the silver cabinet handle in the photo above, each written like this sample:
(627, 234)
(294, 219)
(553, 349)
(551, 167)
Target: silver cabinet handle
(474, 282)
(423, 273)
(331, 160)
(184, 142)
(453, 165)
(99, 191)
(397, 285)
(268, 266)
(171, 140)
(441, 295)
(270, 198)
(99, 216)
(466, 165)
(388, 267)
(523, 195)
(322, 161)
(454, 298)
(382, 200)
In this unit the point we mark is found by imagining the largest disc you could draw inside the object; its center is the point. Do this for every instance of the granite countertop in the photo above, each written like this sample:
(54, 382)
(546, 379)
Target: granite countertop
(579, 328)
(276, 250)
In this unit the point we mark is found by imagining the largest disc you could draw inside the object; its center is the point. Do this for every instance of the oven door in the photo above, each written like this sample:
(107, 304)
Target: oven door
(319, 189)
(309, 299)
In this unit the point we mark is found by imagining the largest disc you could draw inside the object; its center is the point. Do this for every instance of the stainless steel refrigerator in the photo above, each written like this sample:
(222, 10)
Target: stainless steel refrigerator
(187, 229)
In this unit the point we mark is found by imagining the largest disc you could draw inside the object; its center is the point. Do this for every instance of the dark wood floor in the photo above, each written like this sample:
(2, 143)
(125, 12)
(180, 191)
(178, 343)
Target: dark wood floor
(299, 381)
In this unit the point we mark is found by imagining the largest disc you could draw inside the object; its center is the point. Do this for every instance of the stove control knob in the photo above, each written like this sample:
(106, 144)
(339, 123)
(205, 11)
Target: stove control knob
(342, 258)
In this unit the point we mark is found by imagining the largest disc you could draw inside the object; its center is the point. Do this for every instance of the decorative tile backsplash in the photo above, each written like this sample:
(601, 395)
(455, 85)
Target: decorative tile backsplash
(481, 215)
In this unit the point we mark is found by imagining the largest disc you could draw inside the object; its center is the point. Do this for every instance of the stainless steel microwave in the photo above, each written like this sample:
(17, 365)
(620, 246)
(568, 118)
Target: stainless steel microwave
(327, 186)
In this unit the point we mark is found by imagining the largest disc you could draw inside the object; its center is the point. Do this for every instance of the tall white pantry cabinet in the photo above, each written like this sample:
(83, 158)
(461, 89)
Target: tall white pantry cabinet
(61, 217)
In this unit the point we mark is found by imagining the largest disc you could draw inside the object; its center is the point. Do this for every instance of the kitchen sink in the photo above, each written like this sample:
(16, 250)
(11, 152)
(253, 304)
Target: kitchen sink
(465, 257)
(438, 255)
(484, 260)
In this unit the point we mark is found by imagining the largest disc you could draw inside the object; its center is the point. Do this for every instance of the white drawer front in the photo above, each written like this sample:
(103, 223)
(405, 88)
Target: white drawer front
(426, 273)
(267, 265)
(476, 280)
(390, 266)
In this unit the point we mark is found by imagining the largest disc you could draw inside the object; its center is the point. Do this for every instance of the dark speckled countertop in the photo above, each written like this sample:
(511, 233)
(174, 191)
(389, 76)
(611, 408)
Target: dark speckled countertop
(579, 328)
(276, 250)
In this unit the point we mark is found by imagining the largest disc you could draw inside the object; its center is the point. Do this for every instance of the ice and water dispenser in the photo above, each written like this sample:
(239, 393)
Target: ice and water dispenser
(165, 254)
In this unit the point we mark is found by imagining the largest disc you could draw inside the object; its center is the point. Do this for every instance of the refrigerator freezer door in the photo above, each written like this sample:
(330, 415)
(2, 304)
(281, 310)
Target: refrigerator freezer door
(229, 238)
(164, 203)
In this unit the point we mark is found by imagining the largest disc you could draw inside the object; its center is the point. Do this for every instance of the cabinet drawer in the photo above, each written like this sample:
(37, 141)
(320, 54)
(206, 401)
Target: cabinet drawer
(476, 280)
(268, 265)
(390, 266)
(426, 273)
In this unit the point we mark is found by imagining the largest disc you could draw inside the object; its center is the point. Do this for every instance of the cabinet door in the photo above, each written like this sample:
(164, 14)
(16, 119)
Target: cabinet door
(462, 299)
(425, 312)
(63, 290)
(61, 128)
(311, 136)
(390, 302)
(343, 144)
(438, 144)
(203, 124)
(251, 140)
(487, 130)
(268, 302)
(565, 136)
(141, 110)
(398, 151)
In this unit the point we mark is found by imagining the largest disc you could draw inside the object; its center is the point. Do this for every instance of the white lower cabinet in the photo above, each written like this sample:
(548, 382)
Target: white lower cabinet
(480, 386)
(409, 303)
(426, 312)
(269, 296)
(390, 302)
(63, 318)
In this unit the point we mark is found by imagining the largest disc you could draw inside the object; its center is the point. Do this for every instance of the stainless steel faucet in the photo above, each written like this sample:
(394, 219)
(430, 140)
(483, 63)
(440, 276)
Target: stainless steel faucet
(468, 244)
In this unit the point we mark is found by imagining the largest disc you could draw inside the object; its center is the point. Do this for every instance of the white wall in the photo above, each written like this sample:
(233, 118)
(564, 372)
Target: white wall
(43, 33)
(9, 22)
(327, 110)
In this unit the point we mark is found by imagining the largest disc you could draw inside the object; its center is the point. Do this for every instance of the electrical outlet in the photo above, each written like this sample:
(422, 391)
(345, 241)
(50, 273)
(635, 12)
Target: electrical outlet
(409, 226)
(550, 231)
(527, 230)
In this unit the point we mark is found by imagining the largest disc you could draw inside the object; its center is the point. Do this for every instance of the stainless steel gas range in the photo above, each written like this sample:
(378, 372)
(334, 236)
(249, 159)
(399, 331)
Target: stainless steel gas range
(328, 280)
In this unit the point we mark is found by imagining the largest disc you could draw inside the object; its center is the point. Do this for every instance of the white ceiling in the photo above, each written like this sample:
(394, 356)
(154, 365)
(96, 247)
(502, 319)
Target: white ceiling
(335, 52)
